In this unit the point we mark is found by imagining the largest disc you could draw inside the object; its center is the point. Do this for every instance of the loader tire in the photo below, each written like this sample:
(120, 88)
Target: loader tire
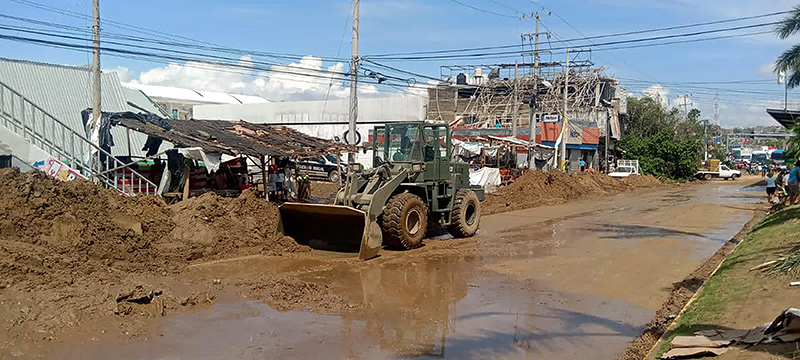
(466, 215)
(404, 221)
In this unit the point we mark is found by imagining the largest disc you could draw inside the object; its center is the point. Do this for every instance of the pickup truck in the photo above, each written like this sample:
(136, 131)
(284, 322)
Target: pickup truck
(623, 172)
(724, 173)
(625, 168)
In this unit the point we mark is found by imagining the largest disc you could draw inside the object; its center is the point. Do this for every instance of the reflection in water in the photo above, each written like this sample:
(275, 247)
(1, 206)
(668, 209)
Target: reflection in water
(407, 307)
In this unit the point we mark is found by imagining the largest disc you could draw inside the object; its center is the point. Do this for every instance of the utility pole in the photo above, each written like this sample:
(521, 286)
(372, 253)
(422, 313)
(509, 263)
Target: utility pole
(516, 101)
(608, 138)
(685, 108)
(354, 84)
(532, 115)
(565, 129)
(96, 111)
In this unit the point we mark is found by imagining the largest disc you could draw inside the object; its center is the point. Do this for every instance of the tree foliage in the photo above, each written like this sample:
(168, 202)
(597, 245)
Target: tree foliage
(665, 145)
(789, 60)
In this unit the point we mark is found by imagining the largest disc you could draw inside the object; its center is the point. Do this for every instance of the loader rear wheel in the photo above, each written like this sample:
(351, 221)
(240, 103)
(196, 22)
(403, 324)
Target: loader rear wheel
(466, 215)
(404, 221)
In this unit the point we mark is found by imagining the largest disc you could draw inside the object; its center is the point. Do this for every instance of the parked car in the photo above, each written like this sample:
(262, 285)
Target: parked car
(324, 168)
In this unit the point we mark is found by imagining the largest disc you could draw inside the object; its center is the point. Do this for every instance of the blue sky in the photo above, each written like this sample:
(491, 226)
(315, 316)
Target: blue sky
(322, 28)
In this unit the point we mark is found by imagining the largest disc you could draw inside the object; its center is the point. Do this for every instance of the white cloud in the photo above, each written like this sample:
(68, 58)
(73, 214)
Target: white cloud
(767, 70)
(307, 79)
(658, 93)
(124, 73)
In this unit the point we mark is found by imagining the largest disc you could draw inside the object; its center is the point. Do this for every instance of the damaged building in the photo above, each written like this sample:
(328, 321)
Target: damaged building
(487, 100)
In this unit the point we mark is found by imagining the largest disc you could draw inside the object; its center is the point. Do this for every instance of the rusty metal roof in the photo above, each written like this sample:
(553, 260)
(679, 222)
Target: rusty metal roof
(237, 138)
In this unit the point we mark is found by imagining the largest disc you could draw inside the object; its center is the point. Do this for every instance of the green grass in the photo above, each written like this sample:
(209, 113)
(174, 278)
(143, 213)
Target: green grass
(775, 234)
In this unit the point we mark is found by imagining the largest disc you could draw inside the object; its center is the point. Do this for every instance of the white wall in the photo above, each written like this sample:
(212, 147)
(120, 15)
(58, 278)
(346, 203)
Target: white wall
(394, 108)
(13, 144)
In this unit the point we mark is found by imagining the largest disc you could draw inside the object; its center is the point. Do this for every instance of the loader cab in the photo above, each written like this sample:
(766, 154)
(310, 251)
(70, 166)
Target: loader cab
(415, 143)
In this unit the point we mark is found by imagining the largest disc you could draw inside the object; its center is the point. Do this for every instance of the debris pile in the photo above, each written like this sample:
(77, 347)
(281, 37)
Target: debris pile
(714, 342)
(541, 188)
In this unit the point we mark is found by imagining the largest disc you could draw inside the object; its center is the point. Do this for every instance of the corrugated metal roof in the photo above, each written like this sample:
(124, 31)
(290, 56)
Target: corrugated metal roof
(198, 96)
(138, 102)
(64, 91)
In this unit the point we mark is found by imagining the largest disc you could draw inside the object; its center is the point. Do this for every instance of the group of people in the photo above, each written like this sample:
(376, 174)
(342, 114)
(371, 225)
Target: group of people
(762, 169)
(787, 182)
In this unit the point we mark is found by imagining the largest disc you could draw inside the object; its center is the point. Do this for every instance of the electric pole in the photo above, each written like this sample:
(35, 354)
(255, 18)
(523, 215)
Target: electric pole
(96, 63)
(532, 115)
(351, 134)
(565, 131)
(516, 101)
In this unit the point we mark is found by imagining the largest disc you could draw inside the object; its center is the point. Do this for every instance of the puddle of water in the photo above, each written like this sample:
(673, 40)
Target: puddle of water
(447, 319)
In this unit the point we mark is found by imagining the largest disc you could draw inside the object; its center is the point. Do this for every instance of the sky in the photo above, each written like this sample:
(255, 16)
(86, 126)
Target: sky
(320, 31)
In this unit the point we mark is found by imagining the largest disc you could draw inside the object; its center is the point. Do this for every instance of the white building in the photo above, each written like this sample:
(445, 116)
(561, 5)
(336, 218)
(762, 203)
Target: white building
(326, 119)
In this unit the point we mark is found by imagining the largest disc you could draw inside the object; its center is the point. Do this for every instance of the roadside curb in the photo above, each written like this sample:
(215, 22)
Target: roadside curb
(684, 293)
(758, 215)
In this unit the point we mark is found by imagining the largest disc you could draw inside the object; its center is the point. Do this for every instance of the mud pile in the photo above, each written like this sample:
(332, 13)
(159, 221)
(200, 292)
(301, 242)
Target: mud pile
(214, 227)
(51, 229)
(541, 188)
(52, 232)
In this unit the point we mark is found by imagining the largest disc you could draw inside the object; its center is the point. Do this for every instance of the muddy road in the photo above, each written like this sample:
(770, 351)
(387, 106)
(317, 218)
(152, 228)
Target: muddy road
(572, 281)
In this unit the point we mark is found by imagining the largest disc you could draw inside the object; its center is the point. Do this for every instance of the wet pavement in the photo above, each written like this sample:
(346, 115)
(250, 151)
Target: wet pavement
(573, 281)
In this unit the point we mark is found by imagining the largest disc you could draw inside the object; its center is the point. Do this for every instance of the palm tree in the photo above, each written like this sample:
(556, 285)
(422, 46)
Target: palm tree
(789, 61)
(789, 64)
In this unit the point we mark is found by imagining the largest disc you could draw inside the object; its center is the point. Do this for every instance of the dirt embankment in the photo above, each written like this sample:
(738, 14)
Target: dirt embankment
(541, 188)
(72, 251)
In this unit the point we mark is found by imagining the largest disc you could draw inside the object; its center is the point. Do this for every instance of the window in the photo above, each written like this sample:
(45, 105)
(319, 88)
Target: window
(403, 141)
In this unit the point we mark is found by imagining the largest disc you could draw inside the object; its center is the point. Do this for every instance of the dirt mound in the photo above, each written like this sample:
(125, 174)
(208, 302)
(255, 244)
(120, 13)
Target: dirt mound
(215, 227)
(48, 227)
(539, 188)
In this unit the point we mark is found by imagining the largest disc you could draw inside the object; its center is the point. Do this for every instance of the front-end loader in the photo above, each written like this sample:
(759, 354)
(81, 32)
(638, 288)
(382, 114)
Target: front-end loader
(413, 184)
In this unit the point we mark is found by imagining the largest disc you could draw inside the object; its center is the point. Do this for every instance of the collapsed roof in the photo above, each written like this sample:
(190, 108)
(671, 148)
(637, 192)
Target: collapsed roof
(234, 138)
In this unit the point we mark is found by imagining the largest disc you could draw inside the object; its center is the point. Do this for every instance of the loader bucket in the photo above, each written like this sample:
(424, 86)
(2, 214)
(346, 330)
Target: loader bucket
(331, 227)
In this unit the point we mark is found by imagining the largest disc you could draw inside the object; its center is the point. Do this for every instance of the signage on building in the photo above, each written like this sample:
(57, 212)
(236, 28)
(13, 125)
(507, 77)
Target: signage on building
(550, 118)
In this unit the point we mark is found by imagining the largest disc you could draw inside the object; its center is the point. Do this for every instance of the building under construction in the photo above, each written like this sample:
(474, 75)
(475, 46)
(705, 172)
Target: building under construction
(492, 98)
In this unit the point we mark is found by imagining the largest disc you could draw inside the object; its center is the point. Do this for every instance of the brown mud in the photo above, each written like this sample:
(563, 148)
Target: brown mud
(541, 188)
(682, 292)
(132, 260)
(70, 251)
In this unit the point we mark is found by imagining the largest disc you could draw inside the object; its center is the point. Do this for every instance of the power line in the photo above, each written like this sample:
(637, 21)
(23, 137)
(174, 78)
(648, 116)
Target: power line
(618, 42)
(583, 38)
(483, 10)
(137, 29)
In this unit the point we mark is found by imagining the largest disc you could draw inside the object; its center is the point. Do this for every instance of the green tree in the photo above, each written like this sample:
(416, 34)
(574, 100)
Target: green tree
(789, 60)
(665, 145)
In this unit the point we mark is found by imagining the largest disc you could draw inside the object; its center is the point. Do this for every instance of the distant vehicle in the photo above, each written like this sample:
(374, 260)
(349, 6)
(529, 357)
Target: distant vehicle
(623, 172)
(716, 170)
(320, 168)
(760, 157)
(777, 156)
(625, 168)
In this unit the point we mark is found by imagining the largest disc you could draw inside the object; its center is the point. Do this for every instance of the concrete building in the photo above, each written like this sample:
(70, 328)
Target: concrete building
(178, 103)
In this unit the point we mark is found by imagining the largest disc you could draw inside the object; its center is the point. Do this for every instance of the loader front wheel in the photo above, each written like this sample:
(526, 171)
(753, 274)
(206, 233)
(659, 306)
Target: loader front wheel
(404, 221)
(466, 215)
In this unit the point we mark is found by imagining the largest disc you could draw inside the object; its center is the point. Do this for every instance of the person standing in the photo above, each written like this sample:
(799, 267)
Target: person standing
(583, 165)
(794, 181)
(771, 186)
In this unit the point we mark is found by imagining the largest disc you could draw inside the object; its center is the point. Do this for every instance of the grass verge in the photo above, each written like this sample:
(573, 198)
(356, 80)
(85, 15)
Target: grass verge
(734, 295)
